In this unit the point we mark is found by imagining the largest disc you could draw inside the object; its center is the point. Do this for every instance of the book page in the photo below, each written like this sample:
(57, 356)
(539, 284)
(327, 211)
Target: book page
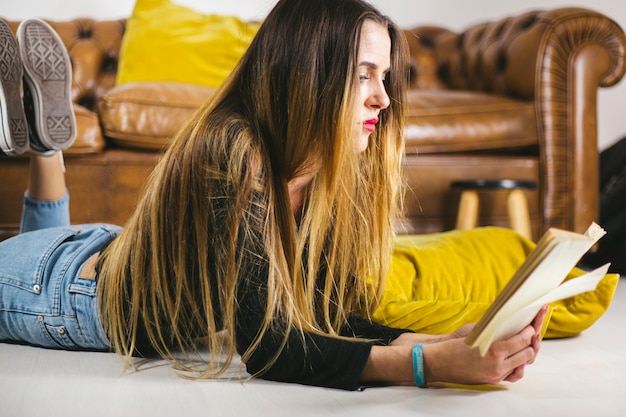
(504, 326)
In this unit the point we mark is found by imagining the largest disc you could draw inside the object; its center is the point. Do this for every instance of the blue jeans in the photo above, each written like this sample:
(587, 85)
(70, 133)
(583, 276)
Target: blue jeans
(44, 298)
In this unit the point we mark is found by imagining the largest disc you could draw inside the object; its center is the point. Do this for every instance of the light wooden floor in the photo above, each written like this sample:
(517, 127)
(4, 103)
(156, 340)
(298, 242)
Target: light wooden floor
(582, 376)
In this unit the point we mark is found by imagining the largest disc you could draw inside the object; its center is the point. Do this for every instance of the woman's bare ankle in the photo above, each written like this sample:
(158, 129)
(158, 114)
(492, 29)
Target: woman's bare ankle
(47, 177)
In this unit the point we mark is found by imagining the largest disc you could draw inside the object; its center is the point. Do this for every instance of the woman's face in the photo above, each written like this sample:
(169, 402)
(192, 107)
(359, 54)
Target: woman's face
(374, 60)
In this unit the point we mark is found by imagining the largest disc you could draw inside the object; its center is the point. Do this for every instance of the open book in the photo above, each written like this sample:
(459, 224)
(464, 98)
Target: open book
(537, 282)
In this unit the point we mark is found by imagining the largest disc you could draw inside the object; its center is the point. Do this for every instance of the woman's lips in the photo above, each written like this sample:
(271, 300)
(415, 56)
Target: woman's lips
(370, 125)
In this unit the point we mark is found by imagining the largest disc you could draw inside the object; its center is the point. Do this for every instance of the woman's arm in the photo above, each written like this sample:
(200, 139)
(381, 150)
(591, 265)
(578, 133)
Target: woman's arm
(449, 359)
(306, 358)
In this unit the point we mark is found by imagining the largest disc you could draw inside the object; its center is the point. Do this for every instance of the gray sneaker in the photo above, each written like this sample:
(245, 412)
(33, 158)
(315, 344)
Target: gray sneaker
(13, 127)
(47, 87)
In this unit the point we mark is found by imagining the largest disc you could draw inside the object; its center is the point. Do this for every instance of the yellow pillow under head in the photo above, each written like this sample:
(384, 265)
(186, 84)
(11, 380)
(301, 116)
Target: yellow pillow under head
(439, 282)
(169, 42)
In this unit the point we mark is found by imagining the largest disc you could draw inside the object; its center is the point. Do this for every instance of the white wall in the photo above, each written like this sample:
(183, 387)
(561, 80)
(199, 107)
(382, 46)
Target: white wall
(454, 14)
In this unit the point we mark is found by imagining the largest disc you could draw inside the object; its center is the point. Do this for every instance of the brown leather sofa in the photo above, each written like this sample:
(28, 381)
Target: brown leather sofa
(511, 99)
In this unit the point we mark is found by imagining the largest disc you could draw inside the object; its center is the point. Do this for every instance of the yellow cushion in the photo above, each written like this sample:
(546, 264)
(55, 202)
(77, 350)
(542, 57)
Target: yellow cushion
(439, 282)
(169, 42)
(573, 315)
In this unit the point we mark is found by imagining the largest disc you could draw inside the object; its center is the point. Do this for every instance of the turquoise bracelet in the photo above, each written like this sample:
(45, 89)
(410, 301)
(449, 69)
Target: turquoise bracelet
(418, 365)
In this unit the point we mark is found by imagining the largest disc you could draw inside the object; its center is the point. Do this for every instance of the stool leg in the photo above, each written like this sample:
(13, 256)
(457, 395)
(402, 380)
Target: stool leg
(517, 206)
(467, 216)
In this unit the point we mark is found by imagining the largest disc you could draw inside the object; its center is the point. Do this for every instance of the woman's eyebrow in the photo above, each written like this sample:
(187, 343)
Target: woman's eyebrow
(371, 65)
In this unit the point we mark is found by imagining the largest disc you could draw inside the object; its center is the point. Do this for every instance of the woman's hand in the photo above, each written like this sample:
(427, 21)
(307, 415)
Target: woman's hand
(453, 361)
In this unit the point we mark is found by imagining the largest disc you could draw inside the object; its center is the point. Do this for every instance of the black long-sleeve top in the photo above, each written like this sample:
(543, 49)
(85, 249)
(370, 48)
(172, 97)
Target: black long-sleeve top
(307, 358)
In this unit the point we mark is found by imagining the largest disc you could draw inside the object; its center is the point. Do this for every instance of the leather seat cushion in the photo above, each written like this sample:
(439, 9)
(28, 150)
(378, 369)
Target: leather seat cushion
(88, 134)
(454, 121)
(147, 115)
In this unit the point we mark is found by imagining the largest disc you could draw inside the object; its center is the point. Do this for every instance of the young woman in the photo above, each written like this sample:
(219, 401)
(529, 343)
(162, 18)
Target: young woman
(266, 228)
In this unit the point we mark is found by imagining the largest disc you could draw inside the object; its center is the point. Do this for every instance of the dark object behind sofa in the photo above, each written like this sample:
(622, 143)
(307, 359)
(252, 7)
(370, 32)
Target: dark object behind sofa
(612, 248)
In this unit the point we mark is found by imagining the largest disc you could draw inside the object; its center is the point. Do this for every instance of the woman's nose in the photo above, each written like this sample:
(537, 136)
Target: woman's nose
(378, 98)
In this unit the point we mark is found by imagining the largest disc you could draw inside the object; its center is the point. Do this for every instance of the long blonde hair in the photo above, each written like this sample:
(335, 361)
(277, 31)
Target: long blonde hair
(217, 205)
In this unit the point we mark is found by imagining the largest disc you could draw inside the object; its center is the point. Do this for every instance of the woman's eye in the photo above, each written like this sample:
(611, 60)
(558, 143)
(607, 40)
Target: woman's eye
(364, 77)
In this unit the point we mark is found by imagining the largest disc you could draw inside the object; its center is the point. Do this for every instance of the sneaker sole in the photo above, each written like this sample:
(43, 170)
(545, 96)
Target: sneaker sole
(48, 79)
(13, 127)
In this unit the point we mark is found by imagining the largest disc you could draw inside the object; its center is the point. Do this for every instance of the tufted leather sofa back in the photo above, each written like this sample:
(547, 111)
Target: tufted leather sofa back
(479, 59)
(501, 57)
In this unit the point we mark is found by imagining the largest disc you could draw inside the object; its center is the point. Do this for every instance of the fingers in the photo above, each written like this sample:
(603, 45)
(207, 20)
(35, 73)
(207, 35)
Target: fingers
(520, 350)
(517, 374)
(528, 337)
(514, 353)
(519, 342)
(539, 318)
(535, 345)
(537, 324)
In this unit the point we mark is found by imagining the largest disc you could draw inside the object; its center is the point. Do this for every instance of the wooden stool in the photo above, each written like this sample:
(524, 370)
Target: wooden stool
(517, 205)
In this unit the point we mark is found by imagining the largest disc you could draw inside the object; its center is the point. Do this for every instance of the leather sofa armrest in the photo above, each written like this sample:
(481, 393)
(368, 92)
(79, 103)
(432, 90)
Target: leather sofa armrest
(582, 50)
(89, 138)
